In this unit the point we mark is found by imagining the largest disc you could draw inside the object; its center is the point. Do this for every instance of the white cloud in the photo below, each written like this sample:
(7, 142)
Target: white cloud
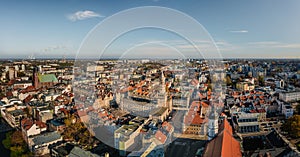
(59, 48)
(264, 43)
(239, 31)
(54, 48)
(274, 44)
(293, 45)
(82, 15)
(222, 45)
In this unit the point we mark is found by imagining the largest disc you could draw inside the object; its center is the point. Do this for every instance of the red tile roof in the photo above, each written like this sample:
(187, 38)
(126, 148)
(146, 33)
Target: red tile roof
(226, 126)
(28, 89)
(252, 111)
(224, 144)
(9, 94)
(167, 126)
(41, 124)
(65, 111)
(261, 110)
(81, 113)
(27, 123)
(160, 136)
(11, 82)
(231, 147)
(193, 116)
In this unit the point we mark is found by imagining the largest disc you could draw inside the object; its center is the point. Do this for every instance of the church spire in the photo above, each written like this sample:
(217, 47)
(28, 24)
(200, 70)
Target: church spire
(212, 122)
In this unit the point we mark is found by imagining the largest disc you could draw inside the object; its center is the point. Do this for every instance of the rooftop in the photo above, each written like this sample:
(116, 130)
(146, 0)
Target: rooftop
(46, 138)
(57, 122)
(78, 152)
(159, 111)
(248, 123)
(224, 144)
(17, 112)
(28, 123)
(47, 78)
(127, 129)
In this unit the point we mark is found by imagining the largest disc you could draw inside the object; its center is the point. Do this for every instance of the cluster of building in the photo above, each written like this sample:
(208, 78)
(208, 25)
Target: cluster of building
(139, 107)
(36, 99)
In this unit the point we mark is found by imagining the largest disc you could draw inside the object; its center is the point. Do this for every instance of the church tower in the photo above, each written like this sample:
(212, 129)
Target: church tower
(35, 77)
(163, 82)
(212, 122)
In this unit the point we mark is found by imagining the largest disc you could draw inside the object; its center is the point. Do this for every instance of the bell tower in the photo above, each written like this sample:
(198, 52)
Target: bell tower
(163, 82)
(35, 78)
(212, 122)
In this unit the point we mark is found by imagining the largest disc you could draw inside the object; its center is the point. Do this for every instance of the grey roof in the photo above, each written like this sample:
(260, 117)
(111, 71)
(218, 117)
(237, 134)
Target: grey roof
(158, 111)
(2, 103)
(17, 112)
(248, 124)
(57, 122)
(46, 138)
(78, 152)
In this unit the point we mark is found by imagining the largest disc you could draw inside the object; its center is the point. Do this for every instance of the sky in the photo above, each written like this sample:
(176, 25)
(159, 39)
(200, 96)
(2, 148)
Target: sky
(239, 28)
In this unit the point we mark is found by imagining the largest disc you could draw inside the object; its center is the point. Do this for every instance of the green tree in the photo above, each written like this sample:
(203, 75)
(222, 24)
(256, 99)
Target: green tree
(77, 132)
(298, 108)
(261, 80)
(17, 139)
(228, 81)
(7, 141)
(68, 122)
(292, 126)
(16, 144)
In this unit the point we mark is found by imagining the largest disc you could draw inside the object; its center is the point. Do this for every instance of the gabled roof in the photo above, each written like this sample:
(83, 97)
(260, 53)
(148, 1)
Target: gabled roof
(224, 144)
(193, 116)
(28, 99)
(27, 123)
(41, 124)
(167, 126)
(28, 89)
(226, 126)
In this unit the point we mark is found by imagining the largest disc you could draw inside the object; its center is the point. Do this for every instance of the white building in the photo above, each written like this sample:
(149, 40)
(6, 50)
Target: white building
(39, 144)
(23, 67)
(290, 96)
(287, 110)
(248, 122)
(11, 73)
(6, 68)
(16, 68)
(212, 124)
(30, 128)
(126, 137)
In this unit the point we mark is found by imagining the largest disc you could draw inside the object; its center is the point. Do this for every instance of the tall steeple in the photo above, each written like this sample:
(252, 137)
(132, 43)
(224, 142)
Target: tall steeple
(35, 77)
(212, 122)
(163, 82)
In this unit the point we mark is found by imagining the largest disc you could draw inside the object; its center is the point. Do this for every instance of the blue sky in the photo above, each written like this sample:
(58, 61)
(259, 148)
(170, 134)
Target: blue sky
(256, 28)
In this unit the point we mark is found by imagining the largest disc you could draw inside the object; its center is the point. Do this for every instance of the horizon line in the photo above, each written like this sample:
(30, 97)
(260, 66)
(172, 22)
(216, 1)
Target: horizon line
(116, 58)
